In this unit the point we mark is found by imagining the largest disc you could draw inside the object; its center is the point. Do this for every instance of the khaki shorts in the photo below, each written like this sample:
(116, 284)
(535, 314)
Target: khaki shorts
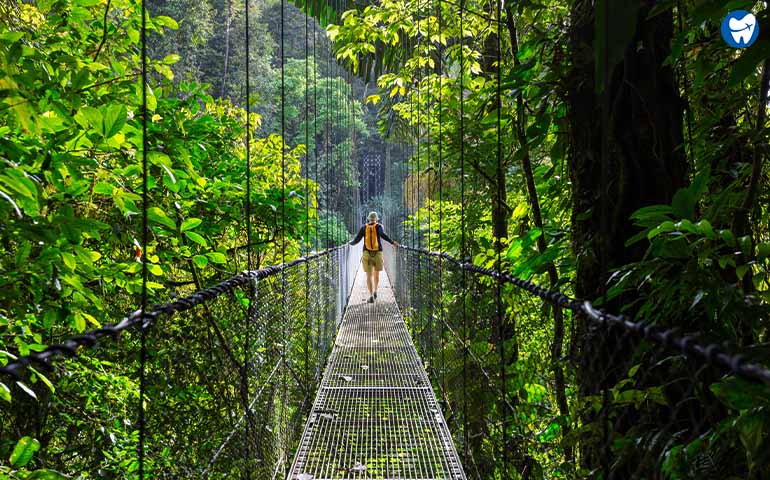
(371, 260)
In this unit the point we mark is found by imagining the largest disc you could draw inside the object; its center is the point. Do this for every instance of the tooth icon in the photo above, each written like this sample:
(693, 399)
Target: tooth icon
(742, 30)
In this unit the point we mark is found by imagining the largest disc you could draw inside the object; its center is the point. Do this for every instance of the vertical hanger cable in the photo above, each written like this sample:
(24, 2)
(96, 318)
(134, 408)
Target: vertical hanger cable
(306, 242)
(250, 309)
(463, 247)
(143, 253)
(499, 246)
(284, 233)
(440, 65)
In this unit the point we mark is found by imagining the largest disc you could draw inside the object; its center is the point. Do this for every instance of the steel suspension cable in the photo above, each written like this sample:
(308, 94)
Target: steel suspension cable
(327, 143)
(284, 233)
(334, 119)
(306, 242)
(317, 178)
(143, 253)
(430, 205)
(440, 64)
(139, 319)
(604, 222)
(463, 246)
(668, 338)
(250, 310)
(499, 246)
(418, 141)
(418, 213)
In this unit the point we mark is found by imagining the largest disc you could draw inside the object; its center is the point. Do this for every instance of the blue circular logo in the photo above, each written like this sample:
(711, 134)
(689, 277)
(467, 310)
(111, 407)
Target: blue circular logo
(740, 29)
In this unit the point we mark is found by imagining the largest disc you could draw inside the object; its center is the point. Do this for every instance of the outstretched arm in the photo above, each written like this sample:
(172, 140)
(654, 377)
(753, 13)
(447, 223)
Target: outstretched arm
(358, 236)
(385, 237)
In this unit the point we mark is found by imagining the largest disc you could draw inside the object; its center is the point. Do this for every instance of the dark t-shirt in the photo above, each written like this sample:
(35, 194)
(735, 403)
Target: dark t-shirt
(380, 236)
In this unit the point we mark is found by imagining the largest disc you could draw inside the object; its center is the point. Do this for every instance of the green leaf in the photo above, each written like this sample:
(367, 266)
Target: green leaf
(42, 377)
(763, 251)
(196, 238)
(164, 21)
(27, 390)
(750, 426)
(104, 188)
(80, 322)
(200, 261)
(158, 158)
(741, 271)
(5, 392)
(728, 237)
(697, 299)
(684, 203)
(171, 59)
(114, 118)
(23, 451)
(159, 216)
(190, 223)
(164, 70)
(705, 228)
(11, 37)
(740, 394)
(171, 176)
(22, 185)
(89, 117)
(45, 474)
(664, 227)
(217, 257)
(744, 243)
(69, 260)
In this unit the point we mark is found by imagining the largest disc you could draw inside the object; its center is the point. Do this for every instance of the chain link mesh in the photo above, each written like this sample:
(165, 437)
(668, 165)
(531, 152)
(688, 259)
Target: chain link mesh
(230, 378)
(618, 403)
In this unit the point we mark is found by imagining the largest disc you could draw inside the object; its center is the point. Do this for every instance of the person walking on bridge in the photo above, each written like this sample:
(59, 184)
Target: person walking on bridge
(373, 234)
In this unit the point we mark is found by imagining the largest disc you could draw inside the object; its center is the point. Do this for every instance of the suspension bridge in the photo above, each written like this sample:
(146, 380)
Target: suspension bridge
(286, 372)
(380, 410)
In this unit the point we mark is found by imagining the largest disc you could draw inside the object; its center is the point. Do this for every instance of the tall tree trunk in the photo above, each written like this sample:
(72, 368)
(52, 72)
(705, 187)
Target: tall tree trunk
(645, 166)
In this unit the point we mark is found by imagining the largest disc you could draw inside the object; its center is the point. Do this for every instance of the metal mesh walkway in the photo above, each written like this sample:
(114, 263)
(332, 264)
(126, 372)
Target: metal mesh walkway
(375, 416)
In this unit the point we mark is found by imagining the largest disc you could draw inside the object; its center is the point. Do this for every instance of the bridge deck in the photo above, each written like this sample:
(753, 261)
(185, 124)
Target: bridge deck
(375, 415)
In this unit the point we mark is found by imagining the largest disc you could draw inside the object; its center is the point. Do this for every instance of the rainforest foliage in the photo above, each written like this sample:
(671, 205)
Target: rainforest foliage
(71, 183)
(614, 150)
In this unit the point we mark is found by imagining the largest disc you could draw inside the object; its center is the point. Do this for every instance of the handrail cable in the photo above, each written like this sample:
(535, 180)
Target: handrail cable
(70, 346)
(670, 338)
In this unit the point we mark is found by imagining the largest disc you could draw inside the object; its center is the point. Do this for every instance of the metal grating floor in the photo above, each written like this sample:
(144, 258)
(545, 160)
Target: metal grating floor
(375, 416)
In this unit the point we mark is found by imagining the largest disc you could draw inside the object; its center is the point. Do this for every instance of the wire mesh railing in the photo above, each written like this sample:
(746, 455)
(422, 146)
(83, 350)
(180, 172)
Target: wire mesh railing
(624, 400)
(375, 415)
(230, 374)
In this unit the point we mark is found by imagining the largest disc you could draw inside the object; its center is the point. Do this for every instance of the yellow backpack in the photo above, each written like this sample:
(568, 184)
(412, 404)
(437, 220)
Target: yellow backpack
(371, 241)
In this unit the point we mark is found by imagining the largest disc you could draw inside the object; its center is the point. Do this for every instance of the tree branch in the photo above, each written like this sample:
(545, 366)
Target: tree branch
(104, 30)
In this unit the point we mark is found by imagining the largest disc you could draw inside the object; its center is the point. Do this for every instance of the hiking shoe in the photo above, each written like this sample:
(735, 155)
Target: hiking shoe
(371, 300)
